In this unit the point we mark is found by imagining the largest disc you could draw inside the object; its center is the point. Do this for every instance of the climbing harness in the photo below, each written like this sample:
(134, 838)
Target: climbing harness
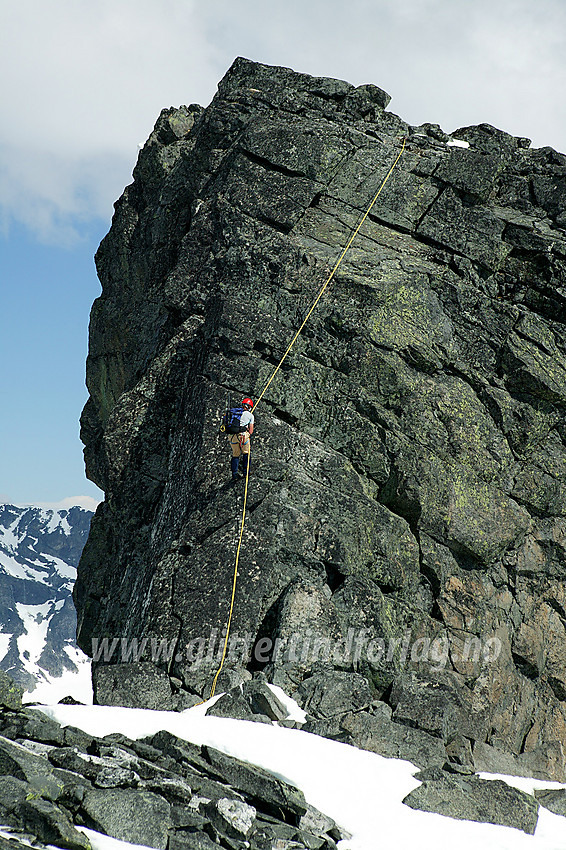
(262, 393)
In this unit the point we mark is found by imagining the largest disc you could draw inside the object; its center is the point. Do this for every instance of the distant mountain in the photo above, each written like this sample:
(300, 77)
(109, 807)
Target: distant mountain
(39, 552)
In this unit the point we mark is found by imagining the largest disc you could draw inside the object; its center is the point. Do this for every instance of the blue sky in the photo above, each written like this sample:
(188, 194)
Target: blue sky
(47, 291)
(81, 85)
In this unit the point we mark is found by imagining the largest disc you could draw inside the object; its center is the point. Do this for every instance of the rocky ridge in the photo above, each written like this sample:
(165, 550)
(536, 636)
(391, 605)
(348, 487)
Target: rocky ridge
(166, 793)
(406, 538)
(161, 792)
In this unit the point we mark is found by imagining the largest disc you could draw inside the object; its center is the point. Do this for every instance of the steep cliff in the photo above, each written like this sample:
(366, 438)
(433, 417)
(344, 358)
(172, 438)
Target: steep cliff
(405, 547)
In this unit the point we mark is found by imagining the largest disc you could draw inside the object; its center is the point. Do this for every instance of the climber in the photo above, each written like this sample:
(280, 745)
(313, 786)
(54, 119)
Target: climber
(239, 428)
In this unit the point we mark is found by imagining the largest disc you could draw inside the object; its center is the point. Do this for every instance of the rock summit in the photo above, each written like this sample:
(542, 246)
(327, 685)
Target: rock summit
(402, 571)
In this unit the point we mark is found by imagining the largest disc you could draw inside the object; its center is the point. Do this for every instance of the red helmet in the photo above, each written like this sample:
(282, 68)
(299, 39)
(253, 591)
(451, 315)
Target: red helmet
(247, 402)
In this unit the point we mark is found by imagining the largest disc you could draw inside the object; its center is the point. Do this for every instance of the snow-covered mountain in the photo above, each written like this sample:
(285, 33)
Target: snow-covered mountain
(39, 551)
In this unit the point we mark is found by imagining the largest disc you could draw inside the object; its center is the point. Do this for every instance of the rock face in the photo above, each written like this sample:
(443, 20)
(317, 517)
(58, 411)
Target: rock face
(405, 538)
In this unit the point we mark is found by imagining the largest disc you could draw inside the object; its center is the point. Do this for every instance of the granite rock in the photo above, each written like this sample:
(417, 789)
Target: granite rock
(406, 509)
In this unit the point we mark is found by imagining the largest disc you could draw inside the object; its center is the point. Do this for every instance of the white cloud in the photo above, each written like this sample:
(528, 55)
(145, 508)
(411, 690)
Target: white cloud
(92, 72)
(53, 193)
(88, 503)
(448, 61)
(84, 80)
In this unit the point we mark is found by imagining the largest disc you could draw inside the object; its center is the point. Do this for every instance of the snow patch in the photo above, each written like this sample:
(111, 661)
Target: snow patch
(16, 569)
(8, 537)
(72, 683)
(31, 643)
(294, 709)
(457, 143)
(62, 568)
(4, 644)
(55, 520)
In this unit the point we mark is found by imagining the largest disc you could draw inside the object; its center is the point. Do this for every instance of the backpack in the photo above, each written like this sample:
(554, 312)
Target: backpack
(232, 421)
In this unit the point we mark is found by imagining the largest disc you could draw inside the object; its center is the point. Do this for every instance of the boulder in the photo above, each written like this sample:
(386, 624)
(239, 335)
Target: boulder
(114, 769)
(316, 822)
(332, 694)
(379, 734)
(234, 704)
(231, 817)
(10, 693)
(263, 701)
(20, 762)
(174, 789)
(256, 784)
(475, 799)
(136, 816)
(12, 792)
(141, 685)
(31, 724)
(51, 824)
(191, 841)
(554, 800)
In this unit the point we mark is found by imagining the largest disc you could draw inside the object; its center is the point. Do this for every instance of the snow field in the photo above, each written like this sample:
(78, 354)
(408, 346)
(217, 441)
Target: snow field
(362, 791)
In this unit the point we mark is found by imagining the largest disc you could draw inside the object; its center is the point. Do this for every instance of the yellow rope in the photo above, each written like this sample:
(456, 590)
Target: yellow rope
(331, 275)
(262, 393)
(235, 575)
